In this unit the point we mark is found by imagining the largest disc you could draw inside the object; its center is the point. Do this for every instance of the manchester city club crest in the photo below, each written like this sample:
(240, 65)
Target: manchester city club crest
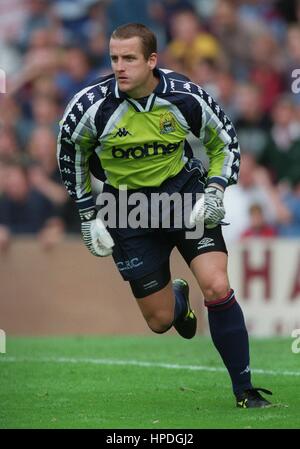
(167, 123)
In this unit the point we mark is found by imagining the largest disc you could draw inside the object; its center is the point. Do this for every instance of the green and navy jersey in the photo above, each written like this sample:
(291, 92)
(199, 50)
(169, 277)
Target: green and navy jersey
(143, 142)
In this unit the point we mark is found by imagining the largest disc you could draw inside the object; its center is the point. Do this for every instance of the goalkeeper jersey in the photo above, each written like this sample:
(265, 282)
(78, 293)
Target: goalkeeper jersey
(143, 142)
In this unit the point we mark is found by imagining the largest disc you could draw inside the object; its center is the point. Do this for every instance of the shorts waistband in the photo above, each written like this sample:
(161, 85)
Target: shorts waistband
(193, 167)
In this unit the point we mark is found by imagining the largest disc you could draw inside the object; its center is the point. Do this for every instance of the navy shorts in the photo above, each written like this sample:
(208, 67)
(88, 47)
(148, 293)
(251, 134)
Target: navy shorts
(142, 251)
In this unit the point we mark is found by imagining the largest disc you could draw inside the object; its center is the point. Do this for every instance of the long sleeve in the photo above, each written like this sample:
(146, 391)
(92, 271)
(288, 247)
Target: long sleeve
(76, 142)
(217, 136)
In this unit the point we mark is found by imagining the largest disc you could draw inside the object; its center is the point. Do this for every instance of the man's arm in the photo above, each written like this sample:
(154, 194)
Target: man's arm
(219, 139)
(220, 142)
(216, 134)
(76, 142)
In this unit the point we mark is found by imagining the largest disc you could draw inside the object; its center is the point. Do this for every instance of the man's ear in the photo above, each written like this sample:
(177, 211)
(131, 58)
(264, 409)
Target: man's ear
(152, 61)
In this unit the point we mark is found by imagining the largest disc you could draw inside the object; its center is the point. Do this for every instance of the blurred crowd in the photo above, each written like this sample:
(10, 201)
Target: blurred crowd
(246, 54)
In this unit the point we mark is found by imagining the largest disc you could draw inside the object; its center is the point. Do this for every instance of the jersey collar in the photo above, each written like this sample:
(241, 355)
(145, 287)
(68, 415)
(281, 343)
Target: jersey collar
(161, 88)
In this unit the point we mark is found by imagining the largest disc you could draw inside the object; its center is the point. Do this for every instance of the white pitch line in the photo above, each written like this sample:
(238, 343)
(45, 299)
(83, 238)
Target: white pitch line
(8, 359)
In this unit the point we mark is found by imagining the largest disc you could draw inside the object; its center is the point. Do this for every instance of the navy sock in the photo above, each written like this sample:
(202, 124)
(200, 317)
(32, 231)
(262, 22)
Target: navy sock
(180, 304)
(230, 337)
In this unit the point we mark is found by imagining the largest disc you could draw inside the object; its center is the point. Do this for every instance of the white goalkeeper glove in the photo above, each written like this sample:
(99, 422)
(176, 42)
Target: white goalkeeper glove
(96, 237)
(211, 210)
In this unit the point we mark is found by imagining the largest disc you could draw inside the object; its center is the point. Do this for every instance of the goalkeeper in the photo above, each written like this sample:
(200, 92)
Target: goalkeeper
(134, 128)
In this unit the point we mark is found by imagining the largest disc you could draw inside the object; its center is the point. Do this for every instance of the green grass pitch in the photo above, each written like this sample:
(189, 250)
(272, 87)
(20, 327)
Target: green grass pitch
(122, 382)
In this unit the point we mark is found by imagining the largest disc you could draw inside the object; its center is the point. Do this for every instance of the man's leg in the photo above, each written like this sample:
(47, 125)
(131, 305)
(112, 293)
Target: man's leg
(158, 309)
(163, 303)
(225, 316)
(227, 325)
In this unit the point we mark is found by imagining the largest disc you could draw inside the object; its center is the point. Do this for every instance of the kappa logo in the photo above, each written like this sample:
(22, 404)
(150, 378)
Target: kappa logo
(66, 158)
(91, 97)
(73, 118)
(80, 107)
(66, 139)
(187, 86)
(68, 171)
(104, 90)
(67, 128)
(205, 242)
(122, 132)
(246, 370)
(87, 216)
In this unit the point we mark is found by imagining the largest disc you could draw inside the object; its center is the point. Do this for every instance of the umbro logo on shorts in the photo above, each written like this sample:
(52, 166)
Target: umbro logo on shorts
(205, 242)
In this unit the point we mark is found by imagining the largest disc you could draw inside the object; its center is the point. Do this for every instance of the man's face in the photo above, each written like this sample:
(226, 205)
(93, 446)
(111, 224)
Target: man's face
(133, 72)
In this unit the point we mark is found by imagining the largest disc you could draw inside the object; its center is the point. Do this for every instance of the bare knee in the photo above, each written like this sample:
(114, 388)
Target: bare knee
(160, 321)
(217, 288)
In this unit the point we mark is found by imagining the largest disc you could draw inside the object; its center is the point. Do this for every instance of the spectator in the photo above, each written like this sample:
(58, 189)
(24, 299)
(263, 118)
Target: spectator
(12, 23)
(77, 73)
(44, 174)
(42, 57)
(9, 111)
(45, 177)
(291, 200)
(189, 41)
(267, 64)
(258, 225)
(205, 73)
(123, 11)
(41, 111)
(254, 187)
(44, 87)
(264, 14)
(45, 111)
(23, 210)
(9, 147)
(252, 124)
(97, 50)
(225, 93)
(281, 154)
(234, 38)
(38, 17)
(292, 53)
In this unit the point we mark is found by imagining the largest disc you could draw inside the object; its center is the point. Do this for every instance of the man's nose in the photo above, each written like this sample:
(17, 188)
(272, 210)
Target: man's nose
(120, 66)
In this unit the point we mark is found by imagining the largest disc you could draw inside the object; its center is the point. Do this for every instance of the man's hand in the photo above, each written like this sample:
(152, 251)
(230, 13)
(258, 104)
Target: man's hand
(214, 211)
(211, 209)
(97, 238)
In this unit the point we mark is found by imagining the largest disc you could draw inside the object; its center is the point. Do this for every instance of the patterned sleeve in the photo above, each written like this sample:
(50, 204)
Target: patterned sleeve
(77, 141)
(218, 136)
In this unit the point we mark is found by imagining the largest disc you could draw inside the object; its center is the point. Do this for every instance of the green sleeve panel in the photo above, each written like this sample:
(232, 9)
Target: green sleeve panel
(215, 151)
